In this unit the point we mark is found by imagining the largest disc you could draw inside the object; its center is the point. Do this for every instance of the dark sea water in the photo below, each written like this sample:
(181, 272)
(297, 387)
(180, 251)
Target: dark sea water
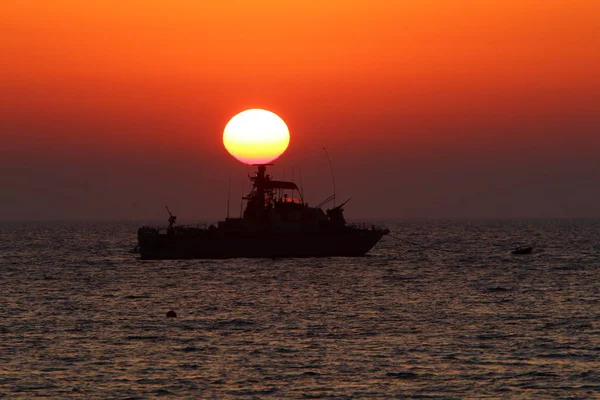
(83, 318)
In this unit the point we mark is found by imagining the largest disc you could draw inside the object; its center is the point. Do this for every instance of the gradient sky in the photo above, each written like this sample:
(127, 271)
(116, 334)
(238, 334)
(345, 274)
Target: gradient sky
(457, 108)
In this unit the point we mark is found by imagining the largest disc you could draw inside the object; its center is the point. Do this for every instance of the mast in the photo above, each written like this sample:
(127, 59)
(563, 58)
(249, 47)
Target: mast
(260, 185)
(260, 188)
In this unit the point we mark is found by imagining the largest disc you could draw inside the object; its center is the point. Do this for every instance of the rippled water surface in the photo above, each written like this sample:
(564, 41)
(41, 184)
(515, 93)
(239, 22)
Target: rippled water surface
(83, 318)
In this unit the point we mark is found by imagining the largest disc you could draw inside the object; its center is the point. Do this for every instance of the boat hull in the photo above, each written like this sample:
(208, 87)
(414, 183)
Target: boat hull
(351, 243)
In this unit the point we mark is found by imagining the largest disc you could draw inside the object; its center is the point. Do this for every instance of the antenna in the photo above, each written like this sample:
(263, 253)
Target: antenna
(280, 194)
(241, 197)
(293, 167)
(228, 196)
(332, 175)
(301, 186)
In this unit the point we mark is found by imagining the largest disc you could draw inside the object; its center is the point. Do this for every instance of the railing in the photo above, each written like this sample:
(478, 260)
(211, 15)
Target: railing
(160, 229)
(365, 225)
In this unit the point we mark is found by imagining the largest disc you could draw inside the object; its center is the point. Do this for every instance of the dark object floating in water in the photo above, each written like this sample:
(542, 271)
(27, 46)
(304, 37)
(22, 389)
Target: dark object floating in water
(497, 289)
(401, 375)
(522, 250)
(171, 314)
(273, 225)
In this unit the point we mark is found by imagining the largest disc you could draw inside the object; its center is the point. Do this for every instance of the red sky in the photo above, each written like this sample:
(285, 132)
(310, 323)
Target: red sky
(110, 109)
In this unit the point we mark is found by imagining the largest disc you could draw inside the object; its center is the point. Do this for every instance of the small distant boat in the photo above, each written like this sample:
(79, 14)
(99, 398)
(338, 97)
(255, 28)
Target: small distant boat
(522, 250)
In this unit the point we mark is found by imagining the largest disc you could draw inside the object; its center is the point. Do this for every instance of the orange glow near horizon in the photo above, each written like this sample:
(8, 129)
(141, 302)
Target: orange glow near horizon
(256, 136)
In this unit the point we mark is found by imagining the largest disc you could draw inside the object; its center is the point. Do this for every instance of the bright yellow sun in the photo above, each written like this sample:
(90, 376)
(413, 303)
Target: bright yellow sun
(256, 136)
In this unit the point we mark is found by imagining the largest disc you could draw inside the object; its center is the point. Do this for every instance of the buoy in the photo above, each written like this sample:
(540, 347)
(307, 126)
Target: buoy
(171, 314)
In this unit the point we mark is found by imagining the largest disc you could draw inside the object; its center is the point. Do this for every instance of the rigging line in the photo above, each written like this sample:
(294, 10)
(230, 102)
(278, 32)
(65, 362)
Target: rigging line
(332, 175)
(301, 186)
(422, 246)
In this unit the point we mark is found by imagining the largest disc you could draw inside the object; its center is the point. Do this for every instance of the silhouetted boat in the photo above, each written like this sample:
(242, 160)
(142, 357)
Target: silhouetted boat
(273, 225)
(522, 250)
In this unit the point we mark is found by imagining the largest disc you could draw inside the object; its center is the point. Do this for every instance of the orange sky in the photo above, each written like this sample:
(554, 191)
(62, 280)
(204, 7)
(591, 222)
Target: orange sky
(434, 83)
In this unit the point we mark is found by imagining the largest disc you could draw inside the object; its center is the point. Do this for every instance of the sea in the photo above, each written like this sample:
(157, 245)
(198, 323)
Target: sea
(437, 310)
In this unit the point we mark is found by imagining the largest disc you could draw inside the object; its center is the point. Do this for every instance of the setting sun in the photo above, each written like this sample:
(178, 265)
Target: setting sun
(256, 136)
